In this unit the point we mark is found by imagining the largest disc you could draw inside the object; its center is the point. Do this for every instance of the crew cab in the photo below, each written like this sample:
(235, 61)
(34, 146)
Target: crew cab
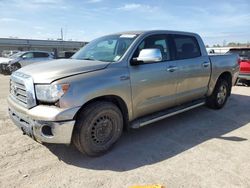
(118, 82)
(21, 59)
(244, 53)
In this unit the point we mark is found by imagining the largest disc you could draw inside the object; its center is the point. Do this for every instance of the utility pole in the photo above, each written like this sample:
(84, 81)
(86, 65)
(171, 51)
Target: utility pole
(61, 33)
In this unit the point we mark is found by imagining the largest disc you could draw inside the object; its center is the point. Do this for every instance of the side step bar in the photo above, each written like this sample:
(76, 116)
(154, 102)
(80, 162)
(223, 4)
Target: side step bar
(164, 114)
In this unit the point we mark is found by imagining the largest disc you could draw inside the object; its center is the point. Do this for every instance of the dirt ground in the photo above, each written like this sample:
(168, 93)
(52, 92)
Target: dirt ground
(199, 148)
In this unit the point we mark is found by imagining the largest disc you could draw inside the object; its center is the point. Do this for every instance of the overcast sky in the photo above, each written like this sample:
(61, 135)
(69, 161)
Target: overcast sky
(214, 20)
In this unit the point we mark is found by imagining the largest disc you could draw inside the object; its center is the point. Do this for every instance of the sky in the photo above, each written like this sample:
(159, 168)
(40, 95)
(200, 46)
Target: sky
(217, 21)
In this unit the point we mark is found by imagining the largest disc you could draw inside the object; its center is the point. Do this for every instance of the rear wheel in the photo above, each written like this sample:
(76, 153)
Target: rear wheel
(220, 94)
(98, 127)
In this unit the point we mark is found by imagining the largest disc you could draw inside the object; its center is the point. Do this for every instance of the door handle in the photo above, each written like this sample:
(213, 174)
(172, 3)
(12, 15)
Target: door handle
(206, 64)
(172, 68)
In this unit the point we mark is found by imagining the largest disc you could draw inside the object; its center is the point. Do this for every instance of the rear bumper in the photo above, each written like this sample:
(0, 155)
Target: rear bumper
(42, 129)
(244, 76)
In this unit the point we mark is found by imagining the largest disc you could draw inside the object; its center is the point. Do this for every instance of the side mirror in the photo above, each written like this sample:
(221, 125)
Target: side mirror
(148, 56)
(24, 57)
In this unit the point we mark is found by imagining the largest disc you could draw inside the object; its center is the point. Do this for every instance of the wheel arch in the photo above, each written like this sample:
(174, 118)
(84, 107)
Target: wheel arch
(228, 77)
(17, 64)
(118, 101)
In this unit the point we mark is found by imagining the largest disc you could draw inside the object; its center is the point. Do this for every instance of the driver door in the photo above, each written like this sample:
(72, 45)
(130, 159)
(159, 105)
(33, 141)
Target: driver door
(26, 59)
(153, 86)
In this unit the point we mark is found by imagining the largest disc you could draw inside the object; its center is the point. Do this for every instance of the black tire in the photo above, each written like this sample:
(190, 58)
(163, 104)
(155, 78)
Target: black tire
(98, 127)
(248, 83)
(219, 96)
(14, 68)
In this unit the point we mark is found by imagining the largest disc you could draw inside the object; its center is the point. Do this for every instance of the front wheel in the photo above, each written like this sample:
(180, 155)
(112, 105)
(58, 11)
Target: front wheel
(220, 95)
(13, 68)
(98, 126)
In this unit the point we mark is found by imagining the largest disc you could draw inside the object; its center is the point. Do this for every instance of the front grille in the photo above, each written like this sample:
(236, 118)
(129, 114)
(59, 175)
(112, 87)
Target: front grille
(22, 89)
(18, 91)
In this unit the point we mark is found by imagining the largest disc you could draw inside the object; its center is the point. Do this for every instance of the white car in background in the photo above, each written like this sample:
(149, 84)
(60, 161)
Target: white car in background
(8, 53)
(21, 59)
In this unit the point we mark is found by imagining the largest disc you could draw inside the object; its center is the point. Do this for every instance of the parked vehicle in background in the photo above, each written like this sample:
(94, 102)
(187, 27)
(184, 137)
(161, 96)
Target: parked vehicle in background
(244, 53)
(21, 59)
(119, 81)
(217, 50)
(8, 53)
(65, 54)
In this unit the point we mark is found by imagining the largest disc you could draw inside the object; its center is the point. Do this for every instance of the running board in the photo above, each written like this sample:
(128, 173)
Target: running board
(164, 114)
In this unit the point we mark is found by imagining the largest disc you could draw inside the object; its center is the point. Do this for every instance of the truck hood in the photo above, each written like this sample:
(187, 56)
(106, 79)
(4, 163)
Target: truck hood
(47, 72)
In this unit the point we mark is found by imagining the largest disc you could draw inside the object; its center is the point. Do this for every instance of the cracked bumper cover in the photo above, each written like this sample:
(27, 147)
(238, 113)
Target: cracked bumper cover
(31, 122)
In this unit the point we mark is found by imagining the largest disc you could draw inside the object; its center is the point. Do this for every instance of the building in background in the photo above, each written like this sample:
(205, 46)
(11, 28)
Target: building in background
(59, 47)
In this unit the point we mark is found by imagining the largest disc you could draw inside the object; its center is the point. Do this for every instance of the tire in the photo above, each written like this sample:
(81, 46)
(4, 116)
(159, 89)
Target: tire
(248, 83)
(98, 127)
(219, 96)
(14, 68)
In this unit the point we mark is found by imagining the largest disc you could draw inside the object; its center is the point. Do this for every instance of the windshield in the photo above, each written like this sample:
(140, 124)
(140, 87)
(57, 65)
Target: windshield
(244, 53)
(109, 48)
(17, 55)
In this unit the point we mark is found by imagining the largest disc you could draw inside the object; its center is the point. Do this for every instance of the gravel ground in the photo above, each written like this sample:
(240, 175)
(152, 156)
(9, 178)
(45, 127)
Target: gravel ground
(199, 148)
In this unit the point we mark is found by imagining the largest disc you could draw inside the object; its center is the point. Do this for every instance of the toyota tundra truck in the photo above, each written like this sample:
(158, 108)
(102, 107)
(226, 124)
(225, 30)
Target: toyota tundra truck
(118, 82)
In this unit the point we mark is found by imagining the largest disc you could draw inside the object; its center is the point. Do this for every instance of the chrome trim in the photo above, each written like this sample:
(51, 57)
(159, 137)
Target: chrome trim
(150, 55)
(170, 114)
(25, 83)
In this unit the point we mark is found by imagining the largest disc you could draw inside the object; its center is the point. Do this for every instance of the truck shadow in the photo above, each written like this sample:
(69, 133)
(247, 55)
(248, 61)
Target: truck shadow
(165, 139)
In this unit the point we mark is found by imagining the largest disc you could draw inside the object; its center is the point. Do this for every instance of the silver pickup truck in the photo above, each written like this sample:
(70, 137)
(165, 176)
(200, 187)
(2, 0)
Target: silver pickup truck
(117, 82)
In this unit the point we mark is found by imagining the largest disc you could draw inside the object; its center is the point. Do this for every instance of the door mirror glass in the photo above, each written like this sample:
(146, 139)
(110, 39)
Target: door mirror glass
(149, 55)
(24, 57)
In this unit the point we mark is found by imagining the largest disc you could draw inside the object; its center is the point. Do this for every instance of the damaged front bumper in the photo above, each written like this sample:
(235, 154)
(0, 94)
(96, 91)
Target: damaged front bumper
(44, 123)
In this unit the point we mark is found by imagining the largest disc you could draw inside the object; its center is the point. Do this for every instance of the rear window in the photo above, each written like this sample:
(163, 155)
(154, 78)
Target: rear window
(244, 53)
(186, 47)
(40, 55)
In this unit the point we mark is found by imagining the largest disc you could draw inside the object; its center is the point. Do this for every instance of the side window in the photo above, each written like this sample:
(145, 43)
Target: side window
(186, 47)
(28, 55)
(41, 55)
(160, 42)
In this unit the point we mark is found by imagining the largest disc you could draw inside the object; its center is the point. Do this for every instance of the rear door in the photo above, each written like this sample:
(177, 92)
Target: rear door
(40, 56)
(193, 69)
(153, 87)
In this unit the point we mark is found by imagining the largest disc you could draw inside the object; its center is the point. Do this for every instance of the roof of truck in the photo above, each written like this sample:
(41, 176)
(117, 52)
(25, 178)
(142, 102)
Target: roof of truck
(155, 31)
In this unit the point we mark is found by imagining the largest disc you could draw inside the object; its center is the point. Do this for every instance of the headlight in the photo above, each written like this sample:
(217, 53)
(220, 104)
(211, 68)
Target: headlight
(51, 93)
